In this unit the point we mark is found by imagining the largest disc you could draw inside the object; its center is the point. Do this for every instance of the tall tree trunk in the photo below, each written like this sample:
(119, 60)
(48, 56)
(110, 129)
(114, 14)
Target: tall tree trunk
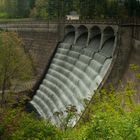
(3, 90)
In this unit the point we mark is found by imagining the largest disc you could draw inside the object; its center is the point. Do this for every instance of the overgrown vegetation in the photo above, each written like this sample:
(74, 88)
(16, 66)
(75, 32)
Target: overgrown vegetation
(15, 124)
(113, 115)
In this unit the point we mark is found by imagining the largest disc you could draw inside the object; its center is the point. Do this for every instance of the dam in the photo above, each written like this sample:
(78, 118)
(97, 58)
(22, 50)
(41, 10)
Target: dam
(86, 58)
(78, 68)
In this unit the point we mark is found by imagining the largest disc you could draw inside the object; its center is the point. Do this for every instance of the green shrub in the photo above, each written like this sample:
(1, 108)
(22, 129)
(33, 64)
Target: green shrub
(1, 130)
(20, 125)
(114, 126)
(3, 15)
(32, 129)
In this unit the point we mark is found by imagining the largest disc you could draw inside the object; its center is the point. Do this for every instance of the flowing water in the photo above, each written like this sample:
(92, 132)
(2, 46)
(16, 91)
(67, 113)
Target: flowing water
(73, 76)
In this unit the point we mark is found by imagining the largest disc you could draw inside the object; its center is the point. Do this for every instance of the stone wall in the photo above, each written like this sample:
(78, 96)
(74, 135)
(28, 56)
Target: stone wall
(39, 45)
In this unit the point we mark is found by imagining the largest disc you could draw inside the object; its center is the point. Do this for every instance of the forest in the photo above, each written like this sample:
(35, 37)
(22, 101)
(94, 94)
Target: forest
(52, 9)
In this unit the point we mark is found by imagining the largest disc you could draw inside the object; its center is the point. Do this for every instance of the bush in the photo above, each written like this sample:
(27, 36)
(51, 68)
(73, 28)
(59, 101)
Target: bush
(114, 126)
(3, 15)
(24, 126)
(32, 129)
(1, 130)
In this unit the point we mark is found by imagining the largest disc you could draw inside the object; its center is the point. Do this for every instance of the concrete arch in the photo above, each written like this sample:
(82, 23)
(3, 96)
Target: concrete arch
(69, 28)
(82, 27)
(69, 34)
(95, 30)
(109, 31)
(109, 41)
(81, 31)
(94, 37)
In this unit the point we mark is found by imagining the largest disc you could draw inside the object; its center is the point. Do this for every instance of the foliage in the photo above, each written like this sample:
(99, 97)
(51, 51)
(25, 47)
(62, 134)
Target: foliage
(67, 120)
(13, 61)
(22, 126)
(16, 8)
(54, 9)
(88, 8)
(112, 115)
(133, 7)
(3, 15)
(114, 126)
(114, 118)
(1, 130)
(39, 11)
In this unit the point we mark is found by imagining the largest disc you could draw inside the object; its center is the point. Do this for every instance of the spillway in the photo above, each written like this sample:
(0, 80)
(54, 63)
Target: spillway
(78, 68)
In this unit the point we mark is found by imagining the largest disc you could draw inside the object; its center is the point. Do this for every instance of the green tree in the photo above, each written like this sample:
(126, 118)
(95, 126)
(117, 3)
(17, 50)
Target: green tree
(15, 124)
(23, 8)
(133, 7)
(16, 8)
(40, 9)
(11, 8)
(14, 64)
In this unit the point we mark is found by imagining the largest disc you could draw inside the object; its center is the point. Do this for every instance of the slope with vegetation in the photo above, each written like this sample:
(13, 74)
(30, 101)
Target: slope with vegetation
(113, 115)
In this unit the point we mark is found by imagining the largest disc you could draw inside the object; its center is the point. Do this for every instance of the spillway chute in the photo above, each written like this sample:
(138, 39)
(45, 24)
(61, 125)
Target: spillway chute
(77, 70)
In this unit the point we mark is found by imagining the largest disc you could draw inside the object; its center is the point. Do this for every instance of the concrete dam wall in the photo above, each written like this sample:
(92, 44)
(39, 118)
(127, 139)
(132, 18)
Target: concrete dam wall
(80, 66)
(88, 57)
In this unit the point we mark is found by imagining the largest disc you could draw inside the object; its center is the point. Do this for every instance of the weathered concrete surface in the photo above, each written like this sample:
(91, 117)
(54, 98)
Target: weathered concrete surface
(129, 74)
(39, 44)
(39, 38)
(124, 44)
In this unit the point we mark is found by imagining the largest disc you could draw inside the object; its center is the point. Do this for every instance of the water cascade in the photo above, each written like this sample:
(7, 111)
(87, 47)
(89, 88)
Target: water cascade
(77, 70)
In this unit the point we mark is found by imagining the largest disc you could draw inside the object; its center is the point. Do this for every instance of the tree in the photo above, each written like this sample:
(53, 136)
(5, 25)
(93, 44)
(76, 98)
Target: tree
(31, 3)
(23, 8)
(40, 9)
(68, 6)
(11, 8)
(14, 64)
(16, 8)
(133, 7)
